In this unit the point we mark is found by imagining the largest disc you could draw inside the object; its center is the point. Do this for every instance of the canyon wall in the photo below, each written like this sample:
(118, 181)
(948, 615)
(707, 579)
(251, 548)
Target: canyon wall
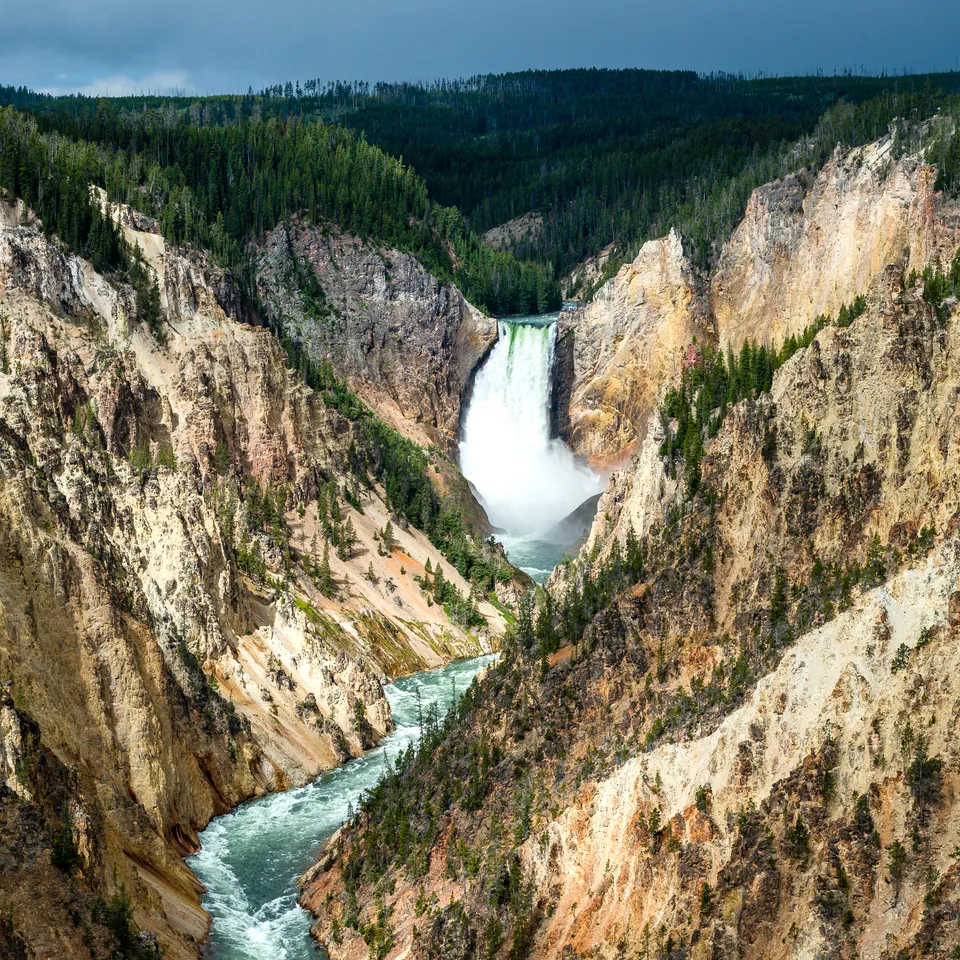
(808, 244)
(404, 342)
(725, 764)
(168, 645)
(624, 345)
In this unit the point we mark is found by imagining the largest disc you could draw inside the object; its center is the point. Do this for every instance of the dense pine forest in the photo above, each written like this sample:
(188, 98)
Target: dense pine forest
(217, 187)
(607, 157)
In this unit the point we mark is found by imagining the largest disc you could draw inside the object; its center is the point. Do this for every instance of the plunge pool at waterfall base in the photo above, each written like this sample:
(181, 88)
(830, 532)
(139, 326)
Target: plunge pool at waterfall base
(536, 558)
(250, 858)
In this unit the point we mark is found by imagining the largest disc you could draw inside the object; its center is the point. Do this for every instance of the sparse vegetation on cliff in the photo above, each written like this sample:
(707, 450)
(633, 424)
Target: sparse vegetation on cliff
(577, 739)
(712, 384)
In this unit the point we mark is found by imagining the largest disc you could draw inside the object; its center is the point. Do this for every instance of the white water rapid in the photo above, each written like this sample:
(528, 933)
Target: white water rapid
(526, 480)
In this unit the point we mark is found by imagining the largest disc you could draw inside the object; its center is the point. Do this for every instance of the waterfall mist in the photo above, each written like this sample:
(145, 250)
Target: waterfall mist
(526, 480)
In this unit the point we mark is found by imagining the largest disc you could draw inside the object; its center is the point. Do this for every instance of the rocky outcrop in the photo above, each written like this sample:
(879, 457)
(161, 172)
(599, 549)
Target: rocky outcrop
(406, 343)
(582, 279)
(168, 648)
(624, 345)
(857, 702)
(833, 708)
(808, 244)
(518, 230)
(857, 392)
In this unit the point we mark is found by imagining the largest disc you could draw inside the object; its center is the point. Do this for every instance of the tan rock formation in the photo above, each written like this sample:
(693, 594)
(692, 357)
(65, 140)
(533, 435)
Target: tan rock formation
(507, 235)
(726, 761)
(162, 683)
(625, 344)
(808, 244)
(583, 276)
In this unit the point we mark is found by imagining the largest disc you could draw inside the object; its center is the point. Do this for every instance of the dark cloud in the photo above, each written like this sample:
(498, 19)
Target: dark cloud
(208, 45)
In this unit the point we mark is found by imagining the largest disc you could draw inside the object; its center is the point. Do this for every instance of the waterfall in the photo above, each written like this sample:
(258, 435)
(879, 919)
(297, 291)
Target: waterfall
(526, 480)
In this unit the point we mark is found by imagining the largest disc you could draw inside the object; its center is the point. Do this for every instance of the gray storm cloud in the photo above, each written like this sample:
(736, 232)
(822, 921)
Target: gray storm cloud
(119, 46)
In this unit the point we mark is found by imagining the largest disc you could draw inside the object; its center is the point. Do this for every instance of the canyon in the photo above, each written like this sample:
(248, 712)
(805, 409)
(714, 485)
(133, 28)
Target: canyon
(232, 514)
(745, 749)
(807, 245)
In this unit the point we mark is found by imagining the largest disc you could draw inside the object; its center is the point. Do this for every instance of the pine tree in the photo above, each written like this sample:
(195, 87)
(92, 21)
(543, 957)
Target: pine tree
(634, 561)
(546, 631)
(324, 576)
(525, 621)
(147, 290)
(348, 539)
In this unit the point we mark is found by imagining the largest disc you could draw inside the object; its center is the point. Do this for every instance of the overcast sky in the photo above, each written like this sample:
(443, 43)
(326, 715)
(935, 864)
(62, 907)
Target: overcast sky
(206, 46)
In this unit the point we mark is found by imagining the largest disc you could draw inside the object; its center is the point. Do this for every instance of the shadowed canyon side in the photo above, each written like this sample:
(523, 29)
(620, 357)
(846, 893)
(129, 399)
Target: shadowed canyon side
(404, 342)
(199, 600)
(728, 731)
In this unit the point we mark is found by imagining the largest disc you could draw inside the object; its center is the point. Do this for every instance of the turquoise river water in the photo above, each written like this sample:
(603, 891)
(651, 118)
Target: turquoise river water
(250, 858)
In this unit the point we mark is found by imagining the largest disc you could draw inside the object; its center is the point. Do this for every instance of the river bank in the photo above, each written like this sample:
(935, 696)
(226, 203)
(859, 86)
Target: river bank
(250, 858)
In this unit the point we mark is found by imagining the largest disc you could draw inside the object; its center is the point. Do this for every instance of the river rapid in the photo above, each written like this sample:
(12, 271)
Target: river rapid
(250, 858)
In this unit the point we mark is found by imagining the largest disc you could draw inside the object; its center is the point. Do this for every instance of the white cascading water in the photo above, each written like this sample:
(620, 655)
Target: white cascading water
(526, 480)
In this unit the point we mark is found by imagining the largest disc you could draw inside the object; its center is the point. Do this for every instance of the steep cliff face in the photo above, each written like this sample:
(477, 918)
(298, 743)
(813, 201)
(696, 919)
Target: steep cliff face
(407, 344)
(748, 750)
(808, 245)
(625, 344)
(840, 425)
(169, 642)
(827, 741)
(585, 275)
(845, 735)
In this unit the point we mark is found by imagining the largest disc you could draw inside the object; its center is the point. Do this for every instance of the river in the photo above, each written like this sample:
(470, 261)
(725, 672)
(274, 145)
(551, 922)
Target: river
(250, 858)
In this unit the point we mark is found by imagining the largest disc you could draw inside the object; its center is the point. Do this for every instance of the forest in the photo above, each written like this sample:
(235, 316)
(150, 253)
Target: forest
(606, 156)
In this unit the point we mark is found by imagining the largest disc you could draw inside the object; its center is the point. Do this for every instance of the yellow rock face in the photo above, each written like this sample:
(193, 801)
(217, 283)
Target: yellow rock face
(123, 606)
(626, 343)
(807, 246)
